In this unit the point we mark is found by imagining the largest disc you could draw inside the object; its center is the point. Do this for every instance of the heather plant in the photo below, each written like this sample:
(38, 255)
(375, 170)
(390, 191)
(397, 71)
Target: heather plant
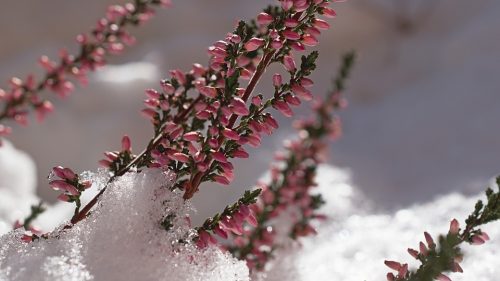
(446, 255)
(108, 37)
(202, 119)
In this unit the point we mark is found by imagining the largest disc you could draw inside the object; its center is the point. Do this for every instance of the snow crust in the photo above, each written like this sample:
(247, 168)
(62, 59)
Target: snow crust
(121, 240)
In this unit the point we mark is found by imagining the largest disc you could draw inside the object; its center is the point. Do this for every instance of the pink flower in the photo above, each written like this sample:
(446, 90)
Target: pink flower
(329, 12)
(283, 107)
(126, 144)
(240, 153)
(254, 44)
(429, 240)
(442, 277)
(219, 156)
(413, 253)
(289, 63)
(309, 40)
(477, 240)
(264, 19)
(230, 134)
(277, 80)
(454, 227)
(321, 24)
(181, 157)
(286, 4)
(191, 136)
(221, 179)
(291, 22)
(301, 92)
(208, 91)
(239, 107)
(291, 35)
(63, 197)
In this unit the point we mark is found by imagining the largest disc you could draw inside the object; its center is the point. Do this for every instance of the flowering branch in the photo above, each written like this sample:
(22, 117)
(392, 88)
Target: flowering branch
(108, 37)
(436, 260)
(289, 190)
(229, 221)
(196, 135)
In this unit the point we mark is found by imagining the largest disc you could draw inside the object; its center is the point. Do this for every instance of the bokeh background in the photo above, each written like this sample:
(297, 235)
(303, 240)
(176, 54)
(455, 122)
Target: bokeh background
(422, 120)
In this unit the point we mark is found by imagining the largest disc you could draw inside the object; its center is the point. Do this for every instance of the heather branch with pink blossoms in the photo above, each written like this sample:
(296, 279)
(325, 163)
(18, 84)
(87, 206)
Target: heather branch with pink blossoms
(289, 190)
(196, 135)
(445, 256)
(108, 37)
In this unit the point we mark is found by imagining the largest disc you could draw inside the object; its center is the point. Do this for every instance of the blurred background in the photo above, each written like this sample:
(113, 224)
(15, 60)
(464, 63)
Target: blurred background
(422, 120)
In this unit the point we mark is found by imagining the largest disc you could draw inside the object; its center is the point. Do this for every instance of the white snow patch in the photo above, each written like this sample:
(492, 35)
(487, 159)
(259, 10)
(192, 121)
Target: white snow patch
(17, 185)
(121, 240)
(129, 72)
(355, 241)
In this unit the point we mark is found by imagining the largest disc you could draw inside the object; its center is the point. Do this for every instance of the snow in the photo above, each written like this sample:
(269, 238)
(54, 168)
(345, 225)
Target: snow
(17, 185)
(122, 240)
(355, 241)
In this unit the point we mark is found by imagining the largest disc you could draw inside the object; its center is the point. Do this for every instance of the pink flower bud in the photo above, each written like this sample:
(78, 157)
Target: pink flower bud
(191, 136)
(321, 24)
(286, 4)
(309, 40)
(252, 220)
(153, 94)
(291, 35)
(442, 277)
(239, 107)
(208, 91)
(454, 227)
(257, 100)
(393, 265)
(413, 253)
(167, 87)
(277, 80)
(254, 44)
(264, 19)
(219, 156)
(181, 157)
(293, 100)
(423, 249)
(328, 12)
(291, 22)
(297, 46)
(289, 63)
(301, 92)
(477, 240)
(240, 153)
(283, 107)
(126, 144)
(429, 240)
(220, 232)
(276, 44)
(269, 120)
(221, 179)
(230, 134)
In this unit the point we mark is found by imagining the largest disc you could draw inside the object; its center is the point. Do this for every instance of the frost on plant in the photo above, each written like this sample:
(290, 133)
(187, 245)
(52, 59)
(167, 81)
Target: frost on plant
(123, 239)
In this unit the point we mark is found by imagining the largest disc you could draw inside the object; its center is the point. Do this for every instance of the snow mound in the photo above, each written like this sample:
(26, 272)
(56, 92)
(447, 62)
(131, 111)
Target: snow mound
(355, 241)
(17, 185)
(122, 240)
